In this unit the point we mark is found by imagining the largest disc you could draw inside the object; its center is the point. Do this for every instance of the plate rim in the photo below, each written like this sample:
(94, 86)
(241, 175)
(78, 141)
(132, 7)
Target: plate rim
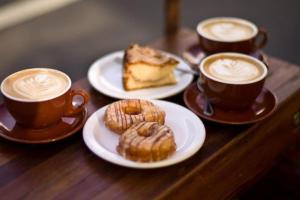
(93, 66)
(89, 140)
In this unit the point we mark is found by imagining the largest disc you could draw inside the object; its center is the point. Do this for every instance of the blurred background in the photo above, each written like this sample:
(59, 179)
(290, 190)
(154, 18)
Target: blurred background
(49, 32)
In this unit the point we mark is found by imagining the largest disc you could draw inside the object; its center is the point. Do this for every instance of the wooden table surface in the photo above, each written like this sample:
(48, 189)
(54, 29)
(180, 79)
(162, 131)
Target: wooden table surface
(231, 159)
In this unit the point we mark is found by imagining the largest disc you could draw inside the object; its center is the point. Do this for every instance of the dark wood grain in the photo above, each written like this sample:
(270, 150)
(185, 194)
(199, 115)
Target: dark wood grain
(231, 159)
(246, 156)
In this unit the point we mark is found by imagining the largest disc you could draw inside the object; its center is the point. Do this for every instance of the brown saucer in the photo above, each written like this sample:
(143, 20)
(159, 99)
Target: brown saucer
(14, 132)
(198, 54)
(264, 105)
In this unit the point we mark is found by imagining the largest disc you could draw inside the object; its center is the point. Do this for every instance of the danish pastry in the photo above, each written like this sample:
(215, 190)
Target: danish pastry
(145, 67)
(120, 115)
(147, 142)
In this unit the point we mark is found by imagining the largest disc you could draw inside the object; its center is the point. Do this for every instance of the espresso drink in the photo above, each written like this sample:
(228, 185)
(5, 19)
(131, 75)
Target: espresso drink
(234, 69)
(36, 84)
(227, 29)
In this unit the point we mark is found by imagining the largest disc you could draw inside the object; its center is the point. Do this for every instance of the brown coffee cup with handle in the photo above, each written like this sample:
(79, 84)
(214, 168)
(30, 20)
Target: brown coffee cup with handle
(40, 97)
(232, 81)
(230, 34)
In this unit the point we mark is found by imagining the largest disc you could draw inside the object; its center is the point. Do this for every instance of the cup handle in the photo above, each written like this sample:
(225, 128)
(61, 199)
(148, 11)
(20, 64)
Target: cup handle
(261, 39)
(3, 128)
(72, 110)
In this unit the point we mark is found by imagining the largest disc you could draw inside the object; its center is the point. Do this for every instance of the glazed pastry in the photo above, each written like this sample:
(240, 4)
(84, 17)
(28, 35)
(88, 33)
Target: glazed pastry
(147, 142)
(120, 115)
(144, 67)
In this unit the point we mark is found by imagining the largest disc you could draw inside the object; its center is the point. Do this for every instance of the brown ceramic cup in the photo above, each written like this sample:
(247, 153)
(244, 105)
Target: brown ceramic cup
(232, 83)
(43, 112)
(215, 39)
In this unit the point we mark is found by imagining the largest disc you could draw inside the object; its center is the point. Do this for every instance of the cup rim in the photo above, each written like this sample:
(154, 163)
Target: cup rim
(39, 100)
(263, 76)
(244, 21)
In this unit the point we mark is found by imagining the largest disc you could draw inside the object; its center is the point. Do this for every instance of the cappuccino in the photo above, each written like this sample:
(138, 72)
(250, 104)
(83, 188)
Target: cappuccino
(227, 29)
(233, 68)
(37, 84)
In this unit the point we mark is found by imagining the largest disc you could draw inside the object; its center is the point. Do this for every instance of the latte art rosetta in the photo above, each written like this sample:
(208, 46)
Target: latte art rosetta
(233, 70)
(38, 86)
(229, 31)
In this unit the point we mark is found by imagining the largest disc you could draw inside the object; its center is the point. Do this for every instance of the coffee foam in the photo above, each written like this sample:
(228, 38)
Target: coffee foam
(36, 84)
(233, 69)
(227, 29)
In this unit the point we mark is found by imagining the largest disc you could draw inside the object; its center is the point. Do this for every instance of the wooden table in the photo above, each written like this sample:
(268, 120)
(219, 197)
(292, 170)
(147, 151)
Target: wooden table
(232, 158)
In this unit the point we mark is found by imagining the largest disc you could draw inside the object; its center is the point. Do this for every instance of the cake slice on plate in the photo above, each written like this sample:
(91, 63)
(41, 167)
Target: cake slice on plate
(144, 67)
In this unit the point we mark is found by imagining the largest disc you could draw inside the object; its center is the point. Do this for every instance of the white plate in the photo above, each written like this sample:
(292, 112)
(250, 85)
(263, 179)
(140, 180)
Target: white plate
(188, 130)
(105, 75)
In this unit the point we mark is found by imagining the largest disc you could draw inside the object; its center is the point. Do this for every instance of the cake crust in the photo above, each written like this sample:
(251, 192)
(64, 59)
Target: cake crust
(138, 54)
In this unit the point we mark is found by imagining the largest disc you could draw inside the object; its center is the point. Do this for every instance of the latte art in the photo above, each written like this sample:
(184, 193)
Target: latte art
(36, 84)
(227, 29)
(39, 86)
(233, 70)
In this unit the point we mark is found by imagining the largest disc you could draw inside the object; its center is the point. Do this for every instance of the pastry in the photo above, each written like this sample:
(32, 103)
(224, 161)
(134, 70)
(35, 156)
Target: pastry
(120, 115)
(144, 67)
(147, 142)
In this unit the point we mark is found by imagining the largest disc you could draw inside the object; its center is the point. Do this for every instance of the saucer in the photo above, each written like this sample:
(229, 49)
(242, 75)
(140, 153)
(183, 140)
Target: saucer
(264, 105)
(63, 129)
(194, 54)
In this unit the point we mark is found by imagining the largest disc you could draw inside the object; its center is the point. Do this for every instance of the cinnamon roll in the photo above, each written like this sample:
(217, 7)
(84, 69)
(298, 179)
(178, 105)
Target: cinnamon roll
(120, 115)
(147, 142)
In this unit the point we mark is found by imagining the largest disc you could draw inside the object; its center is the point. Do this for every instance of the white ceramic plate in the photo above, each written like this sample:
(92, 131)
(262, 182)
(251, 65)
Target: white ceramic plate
(188, 130)
(105, 75)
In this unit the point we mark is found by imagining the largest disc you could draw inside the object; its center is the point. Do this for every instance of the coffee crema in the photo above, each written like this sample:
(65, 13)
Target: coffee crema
(227, 29)
(36, 84)
(233, 69)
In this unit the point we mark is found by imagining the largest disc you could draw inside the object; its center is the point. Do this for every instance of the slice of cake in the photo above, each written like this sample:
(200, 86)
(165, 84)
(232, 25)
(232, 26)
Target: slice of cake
(144, 67)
